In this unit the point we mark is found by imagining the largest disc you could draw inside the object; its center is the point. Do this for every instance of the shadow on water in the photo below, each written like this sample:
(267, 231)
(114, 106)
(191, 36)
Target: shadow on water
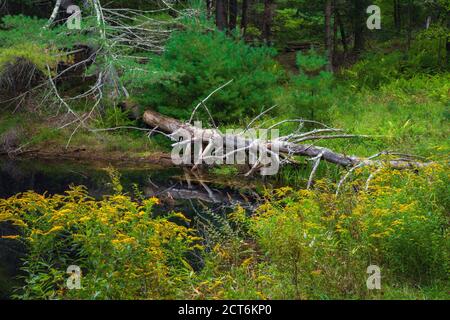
(177, 188)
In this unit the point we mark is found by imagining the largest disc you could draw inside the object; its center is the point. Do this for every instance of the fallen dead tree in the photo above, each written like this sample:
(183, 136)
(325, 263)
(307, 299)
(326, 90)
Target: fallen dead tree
(283, 148)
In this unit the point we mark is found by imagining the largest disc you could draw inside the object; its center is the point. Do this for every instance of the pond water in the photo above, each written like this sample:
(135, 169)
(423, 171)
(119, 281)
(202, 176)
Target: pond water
(177, 188)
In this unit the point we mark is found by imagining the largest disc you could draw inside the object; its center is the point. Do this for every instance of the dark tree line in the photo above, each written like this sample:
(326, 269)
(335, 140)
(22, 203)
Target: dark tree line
(340, 25)
(344, 21)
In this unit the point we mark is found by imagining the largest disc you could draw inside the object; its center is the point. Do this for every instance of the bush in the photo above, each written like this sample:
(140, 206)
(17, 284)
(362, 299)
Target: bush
(312, 92)
(323, 244)
(375, 69)
(27, 50)
(23, 66)
(402, 223)
(195, 64)
(294, 230)
(298, 244)
(314, 245)
(123, 251)
(311, 62)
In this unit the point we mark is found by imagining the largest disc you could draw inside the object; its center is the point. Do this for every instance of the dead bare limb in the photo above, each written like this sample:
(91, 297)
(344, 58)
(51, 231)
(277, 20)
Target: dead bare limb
(170, 126)
(119, 31)
(285, 146)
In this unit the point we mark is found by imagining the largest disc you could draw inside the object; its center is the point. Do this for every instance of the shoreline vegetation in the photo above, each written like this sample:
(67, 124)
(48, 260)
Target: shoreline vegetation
(295, 245)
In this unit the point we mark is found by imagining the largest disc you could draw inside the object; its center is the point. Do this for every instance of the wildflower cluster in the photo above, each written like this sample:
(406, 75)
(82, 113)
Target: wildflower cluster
(124, 252)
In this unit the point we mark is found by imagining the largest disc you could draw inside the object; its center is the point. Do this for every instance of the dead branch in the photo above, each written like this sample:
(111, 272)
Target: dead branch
(170, 126)
(118, 31)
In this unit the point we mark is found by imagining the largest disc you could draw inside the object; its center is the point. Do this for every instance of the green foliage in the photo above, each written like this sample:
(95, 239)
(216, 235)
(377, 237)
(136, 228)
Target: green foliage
(37, 55)
(312, 245)
(114, 116)
(426, 56)
(195, 64)
(225, 171)
(20, 29)
(298, 21)
(288, 26)
(44, 134)
(28, 49)
(375, 70)
(406, 115)
(124, 252)
(311, 62)
(312, 91)
(401, 226)
(298, 244)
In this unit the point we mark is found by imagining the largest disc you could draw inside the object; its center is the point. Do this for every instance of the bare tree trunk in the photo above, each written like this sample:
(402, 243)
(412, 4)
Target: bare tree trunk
(244, 18)
(54, 13)
(221, 14)
(329, 33)
(342, 30)
(358, 24)
(170, 125)
(233, 14)
(410, 18)
(397, 15)
(335, 28)
(447, 48)
(208, 9)
(269, 8)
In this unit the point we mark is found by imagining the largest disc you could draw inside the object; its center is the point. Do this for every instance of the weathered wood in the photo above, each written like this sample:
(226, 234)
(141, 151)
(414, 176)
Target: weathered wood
(170, 126)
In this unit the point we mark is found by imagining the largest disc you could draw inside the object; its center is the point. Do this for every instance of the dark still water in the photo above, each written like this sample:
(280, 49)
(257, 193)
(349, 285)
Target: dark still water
(177, 188)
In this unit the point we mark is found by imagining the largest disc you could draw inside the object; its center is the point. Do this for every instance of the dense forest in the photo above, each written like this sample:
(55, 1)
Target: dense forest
(314, 138)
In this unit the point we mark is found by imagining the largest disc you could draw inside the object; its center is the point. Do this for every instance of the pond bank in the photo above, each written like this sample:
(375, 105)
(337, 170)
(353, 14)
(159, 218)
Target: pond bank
(178, 190)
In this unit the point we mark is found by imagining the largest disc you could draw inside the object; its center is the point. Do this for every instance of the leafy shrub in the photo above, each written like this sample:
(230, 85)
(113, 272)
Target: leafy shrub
(114, 116)
(37, 55)
(22, 66)
(375, 69)
(298, 244)
(124, 252)
(314, 245)
(27, 50)
(311, 62)
(324, 243)
(19, 29)
(288, 26)
(402, 223)
(294, 231)
(195, 64)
